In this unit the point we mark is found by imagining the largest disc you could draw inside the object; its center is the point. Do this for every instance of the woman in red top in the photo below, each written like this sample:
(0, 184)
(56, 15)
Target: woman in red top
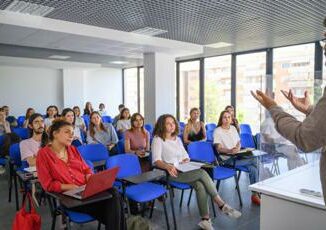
(61, 168)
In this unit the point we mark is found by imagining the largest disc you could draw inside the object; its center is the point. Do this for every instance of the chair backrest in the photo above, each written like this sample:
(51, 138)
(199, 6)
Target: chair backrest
(128, 163)
(149, 128)
(21, 132)
(20, 121)
(107, 119)
(257, 140)
(94, 152)
(121, 146)
(210, 126)
(247, 140)
(201, 151)
(15, 157)
(210, 135)
(245, 128)
(86, 120)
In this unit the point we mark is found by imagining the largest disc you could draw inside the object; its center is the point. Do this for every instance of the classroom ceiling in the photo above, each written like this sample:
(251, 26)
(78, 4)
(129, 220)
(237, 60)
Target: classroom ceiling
(246, 24)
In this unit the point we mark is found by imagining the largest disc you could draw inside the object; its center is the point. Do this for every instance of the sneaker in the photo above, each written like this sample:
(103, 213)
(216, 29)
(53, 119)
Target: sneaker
(2, 170)
(255, 199)
(206, 224)
(231, 212)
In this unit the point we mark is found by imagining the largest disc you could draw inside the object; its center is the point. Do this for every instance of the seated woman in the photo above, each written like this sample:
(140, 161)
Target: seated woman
(61, 168)
(235, 121)
(29, 113)
(227, 142)
(195, 129)
(137, 140)
(123, 123)
(88, 108)
(69, 116)
(168, 151)
(79, 121)
(51, 113)
(102, 133)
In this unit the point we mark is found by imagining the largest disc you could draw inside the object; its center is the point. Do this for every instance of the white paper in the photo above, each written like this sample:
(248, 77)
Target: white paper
(189, 166)
(30, 169)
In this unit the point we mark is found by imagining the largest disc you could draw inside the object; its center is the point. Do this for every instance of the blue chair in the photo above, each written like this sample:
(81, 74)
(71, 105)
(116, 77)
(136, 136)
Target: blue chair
(121, 146)
(210, 135)
(247, 140)
(3, 161)
(15, 165)
(86, 120)
(204, 152)
(107, 119)
(94, 153)
(210, 126)
(20, 121)
(142, 192)
(149, 128)
(245, 128)
(21, 132)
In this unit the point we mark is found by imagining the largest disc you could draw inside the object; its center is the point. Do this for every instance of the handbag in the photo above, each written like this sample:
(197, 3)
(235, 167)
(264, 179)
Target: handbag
(27, 220)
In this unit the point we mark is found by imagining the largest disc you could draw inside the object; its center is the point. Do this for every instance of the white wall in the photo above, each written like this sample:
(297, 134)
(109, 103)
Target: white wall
(23, 87)
(104, 86)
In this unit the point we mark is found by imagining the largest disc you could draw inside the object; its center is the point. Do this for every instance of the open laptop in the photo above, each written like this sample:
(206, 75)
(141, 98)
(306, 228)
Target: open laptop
(97, 183)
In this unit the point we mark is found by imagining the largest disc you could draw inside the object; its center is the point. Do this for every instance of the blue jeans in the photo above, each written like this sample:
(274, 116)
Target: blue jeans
(249, 163)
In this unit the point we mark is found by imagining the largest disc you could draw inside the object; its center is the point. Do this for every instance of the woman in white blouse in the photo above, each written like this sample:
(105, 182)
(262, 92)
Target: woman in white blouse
(168, 151)
(123, 123)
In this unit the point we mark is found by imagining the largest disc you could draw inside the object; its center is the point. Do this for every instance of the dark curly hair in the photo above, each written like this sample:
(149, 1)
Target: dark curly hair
(160, 129)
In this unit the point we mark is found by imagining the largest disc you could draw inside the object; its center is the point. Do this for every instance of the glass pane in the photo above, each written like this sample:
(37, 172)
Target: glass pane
(293, 68)
(189, 88)
(141, 89)
(217, 86)
(251, 72)
(130, 89)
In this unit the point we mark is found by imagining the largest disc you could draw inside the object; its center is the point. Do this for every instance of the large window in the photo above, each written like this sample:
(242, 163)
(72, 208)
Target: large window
(141, 91)
(217, 86)
(251, 75)
(188, 88)
(293, 68)
(131, 89)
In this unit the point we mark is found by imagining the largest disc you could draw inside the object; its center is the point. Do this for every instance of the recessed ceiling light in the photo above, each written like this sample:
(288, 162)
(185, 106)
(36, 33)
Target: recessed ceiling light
(59, 57)
(219, 45)
(29, 8)
(119, 62)
(149, 31)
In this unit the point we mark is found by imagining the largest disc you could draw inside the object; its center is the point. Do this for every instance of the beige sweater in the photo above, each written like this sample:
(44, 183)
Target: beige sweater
(307, 135)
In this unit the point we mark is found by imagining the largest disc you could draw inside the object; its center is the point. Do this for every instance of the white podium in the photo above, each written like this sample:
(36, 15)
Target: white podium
(283, 207)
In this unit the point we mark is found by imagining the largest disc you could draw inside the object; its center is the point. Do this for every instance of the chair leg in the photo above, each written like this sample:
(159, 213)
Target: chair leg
(238, 189)
(68, 224)
(190, 194)
(172, 207)
(166, 215)
(99, 225)
(143, 208)
(16, 192)
(10, 187)
(181, 198)
(152, 209)
(54, 219)
(218, 184)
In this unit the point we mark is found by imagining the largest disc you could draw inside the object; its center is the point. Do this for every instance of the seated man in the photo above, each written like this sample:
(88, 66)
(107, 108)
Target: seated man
(30, 147)
(273, 142)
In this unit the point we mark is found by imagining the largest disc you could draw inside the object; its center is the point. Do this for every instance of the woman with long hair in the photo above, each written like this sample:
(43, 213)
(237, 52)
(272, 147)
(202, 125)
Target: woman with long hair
(227, 143)
(137, 140)
(51, 114)
(102, 133)
(195, 129)
(60, 168)
(69, 115)
(123, 123)
(88, 108)
(79, 121)
(29, 113)
(168, 151)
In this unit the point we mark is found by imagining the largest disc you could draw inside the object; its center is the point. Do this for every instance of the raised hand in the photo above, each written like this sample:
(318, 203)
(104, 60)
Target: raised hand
(300, 103)
(263, 99)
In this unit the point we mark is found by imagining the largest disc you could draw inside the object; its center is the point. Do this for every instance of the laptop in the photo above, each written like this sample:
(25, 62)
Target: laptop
(97, 183)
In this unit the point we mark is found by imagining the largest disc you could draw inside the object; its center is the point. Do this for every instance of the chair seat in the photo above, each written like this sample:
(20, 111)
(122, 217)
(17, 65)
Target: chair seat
(180, 185)
(221, 173)
(145, 192)
(78, 217)
(242, 168)
(3, 161)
